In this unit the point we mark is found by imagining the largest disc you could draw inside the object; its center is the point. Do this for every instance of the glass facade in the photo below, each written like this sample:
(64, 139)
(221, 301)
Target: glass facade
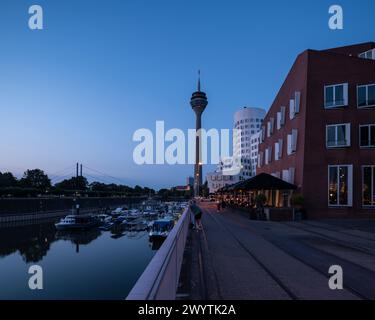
(339, 185)
(338, 135)
(366, 95)
(333, 185)
(368, 186)
(335, 95)
(367, 135)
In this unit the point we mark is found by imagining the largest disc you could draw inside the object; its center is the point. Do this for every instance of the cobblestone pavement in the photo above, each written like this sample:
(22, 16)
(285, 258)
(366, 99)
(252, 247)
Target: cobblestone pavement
(238, 258)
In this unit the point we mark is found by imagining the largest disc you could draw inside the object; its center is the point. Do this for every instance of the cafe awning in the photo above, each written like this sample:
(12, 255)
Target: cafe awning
(262, 181)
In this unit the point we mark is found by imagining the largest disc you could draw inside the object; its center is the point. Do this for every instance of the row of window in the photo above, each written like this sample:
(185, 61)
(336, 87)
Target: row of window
(336, 96)
(294, 109)
(291, 149)
(370, 54)
(220, 177)
(236, 124)
(286, 175)
(340, 185)
(338, 135)
(247, 126)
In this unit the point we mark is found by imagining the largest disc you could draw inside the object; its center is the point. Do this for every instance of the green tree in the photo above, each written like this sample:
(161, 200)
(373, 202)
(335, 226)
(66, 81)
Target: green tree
(35, 178)
(74, 183)
(97, 186)
(138, 189)
(7, 180)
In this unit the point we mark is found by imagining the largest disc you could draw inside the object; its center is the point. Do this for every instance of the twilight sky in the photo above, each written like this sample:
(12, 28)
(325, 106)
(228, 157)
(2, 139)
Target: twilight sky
(77, 90)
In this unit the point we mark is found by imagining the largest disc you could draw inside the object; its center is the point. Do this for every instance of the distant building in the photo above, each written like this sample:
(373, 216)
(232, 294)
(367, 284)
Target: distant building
(190, 182)
(217, 180)
(254, 148)
(248, 122)
(181, 188)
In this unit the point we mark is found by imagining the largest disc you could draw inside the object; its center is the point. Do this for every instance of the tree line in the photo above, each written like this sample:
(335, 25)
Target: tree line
(36, 182)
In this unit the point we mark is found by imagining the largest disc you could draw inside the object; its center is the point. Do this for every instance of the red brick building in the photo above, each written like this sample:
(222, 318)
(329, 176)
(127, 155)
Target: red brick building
(320, 132)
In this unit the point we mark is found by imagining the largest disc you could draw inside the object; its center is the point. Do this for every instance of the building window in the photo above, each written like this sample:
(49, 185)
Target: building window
(338, 135)
(294, 105)
(288, 175)
(268, 155)
(278, 149)
(366, 96)
(368, 186)
(263, 134)
(292, 142)
(260, 159)
(270, 126)
(291, 109)
(336, 96)
(280, 118)
(297, 101)
(367, 136)
(368, 55)
(340, 185)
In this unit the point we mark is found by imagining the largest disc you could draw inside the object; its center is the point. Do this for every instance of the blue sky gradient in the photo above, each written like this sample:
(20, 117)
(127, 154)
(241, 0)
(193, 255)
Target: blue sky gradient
(77, 90)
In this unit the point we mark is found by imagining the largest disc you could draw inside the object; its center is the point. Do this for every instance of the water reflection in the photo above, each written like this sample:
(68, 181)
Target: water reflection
(77, 237)
(31, 241)
(155, 244)
(98, 263)
(91, 264)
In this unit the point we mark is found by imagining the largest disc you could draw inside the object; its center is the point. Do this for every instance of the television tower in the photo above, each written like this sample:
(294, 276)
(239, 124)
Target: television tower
(198, 103)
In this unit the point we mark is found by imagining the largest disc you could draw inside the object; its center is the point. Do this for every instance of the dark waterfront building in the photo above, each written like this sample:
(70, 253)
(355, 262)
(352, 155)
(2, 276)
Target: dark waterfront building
(320, 132)
(198, 102)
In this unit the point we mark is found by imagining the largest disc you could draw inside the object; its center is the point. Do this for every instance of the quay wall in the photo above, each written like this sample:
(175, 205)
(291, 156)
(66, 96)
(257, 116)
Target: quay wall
(20, 209)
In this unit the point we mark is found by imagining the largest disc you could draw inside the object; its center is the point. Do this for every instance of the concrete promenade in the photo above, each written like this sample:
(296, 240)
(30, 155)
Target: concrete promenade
(237, 258)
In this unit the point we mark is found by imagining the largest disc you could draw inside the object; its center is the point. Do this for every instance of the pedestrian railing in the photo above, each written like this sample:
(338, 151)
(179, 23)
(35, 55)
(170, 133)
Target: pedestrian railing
(160, 279)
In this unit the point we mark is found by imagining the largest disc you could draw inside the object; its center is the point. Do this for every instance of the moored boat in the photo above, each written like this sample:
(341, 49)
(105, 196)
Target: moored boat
(74, 222)
(160, 228)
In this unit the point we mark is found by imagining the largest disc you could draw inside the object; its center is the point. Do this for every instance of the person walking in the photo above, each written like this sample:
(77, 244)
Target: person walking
(223, 204)
(197, 212)
(218, 203)
(192, 217)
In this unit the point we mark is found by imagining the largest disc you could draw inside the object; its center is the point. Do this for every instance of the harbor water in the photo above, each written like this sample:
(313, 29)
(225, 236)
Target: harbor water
(90, 264)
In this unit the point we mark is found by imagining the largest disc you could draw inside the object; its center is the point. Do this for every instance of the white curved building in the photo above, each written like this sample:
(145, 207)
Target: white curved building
(249, 122)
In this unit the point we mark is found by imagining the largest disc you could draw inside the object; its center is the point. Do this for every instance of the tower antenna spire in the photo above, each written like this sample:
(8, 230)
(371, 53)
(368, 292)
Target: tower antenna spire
(199, 80)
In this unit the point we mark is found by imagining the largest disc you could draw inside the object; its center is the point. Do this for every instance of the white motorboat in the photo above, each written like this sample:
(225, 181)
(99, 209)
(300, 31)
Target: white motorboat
(118, 211)
(72, 221)
(104, 218)
(160, 228)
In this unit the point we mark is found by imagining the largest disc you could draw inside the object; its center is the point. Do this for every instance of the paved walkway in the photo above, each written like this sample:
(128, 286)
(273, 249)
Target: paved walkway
(237, 258)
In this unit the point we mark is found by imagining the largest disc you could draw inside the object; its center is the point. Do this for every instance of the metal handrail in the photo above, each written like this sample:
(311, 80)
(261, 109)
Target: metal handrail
(143, 289)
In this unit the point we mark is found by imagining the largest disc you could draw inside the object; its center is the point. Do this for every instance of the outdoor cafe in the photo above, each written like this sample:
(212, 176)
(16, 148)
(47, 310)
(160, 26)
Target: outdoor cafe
(264, 197)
